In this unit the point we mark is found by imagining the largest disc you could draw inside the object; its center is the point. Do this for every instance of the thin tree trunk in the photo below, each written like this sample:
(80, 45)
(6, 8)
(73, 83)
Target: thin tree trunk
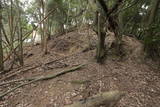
(101, 41)
(11, 25)
(41, 28)
(1, 48)
(49, 28)
(20, 38)
(121, 23)
(5, 35)
(45, 27)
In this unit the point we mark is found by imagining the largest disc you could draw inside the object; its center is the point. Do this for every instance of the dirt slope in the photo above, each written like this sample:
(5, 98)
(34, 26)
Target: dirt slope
(140, 81)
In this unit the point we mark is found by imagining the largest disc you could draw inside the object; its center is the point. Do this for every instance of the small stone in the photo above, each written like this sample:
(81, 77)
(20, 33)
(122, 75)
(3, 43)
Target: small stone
(46, 92)
(68, 101)
(74, 94)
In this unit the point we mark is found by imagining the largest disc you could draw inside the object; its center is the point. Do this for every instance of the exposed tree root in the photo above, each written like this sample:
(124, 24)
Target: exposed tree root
(107, 99)
(15, 73)
(14, 81)
(42, 78)
(36, 66)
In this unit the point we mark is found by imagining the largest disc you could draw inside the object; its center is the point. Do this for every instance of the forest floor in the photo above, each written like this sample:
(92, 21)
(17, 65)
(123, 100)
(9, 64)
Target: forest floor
(140, 80)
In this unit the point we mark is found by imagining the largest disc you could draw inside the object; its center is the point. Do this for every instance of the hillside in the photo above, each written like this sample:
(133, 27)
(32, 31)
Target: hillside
(139, 79)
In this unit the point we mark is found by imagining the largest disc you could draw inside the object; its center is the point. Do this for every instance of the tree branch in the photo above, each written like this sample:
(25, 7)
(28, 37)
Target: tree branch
(104, 7)
(115, 7)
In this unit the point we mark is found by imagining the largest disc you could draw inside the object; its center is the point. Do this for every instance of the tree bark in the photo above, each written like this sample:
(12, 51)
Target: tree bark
(20, 37)
(149, 47)
(11, 25)
(1, 47)
(113, 21)
(101, 40)
(154, 8)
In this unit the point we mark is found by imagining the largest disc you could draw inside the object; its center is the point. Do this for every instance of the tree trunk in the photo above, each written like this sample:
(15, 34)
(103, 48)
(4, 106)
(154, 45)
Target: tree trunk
(20, 37)
(1, 48)
(154, 8)
(49, 29)
(101, 40)
(149, 47)
(41, 25)
(11, 25)
(45, 28)
(121, 23)
(112, 18)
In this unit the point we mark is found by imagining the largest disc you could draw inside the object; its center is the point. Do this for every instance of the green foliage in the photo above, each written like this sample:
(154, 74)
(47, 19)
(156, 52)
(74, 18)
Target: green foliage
(51, 4)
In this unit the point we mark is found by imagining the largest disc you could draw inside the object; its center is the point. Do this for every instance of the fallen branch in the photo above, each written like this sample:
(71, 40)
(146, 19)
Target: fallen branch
(14, 81)
(34, 67)
(107, 99)
(42, 78)
(13, 89)
(8, 71)
(15, 73)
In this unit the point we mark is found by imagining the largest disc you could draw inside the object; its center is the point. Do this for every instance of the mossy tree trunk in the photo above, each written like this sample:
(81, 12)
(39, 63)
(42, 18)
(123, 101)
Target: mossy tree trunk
(100, 54)
(153, 11)
(151, 49)
(112, 19)
(100, 27)
(114, 27)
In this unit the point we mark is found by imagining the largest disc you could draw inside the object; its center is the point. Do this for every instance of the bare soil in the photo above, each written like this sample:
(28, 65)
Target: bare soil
(139, 80)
